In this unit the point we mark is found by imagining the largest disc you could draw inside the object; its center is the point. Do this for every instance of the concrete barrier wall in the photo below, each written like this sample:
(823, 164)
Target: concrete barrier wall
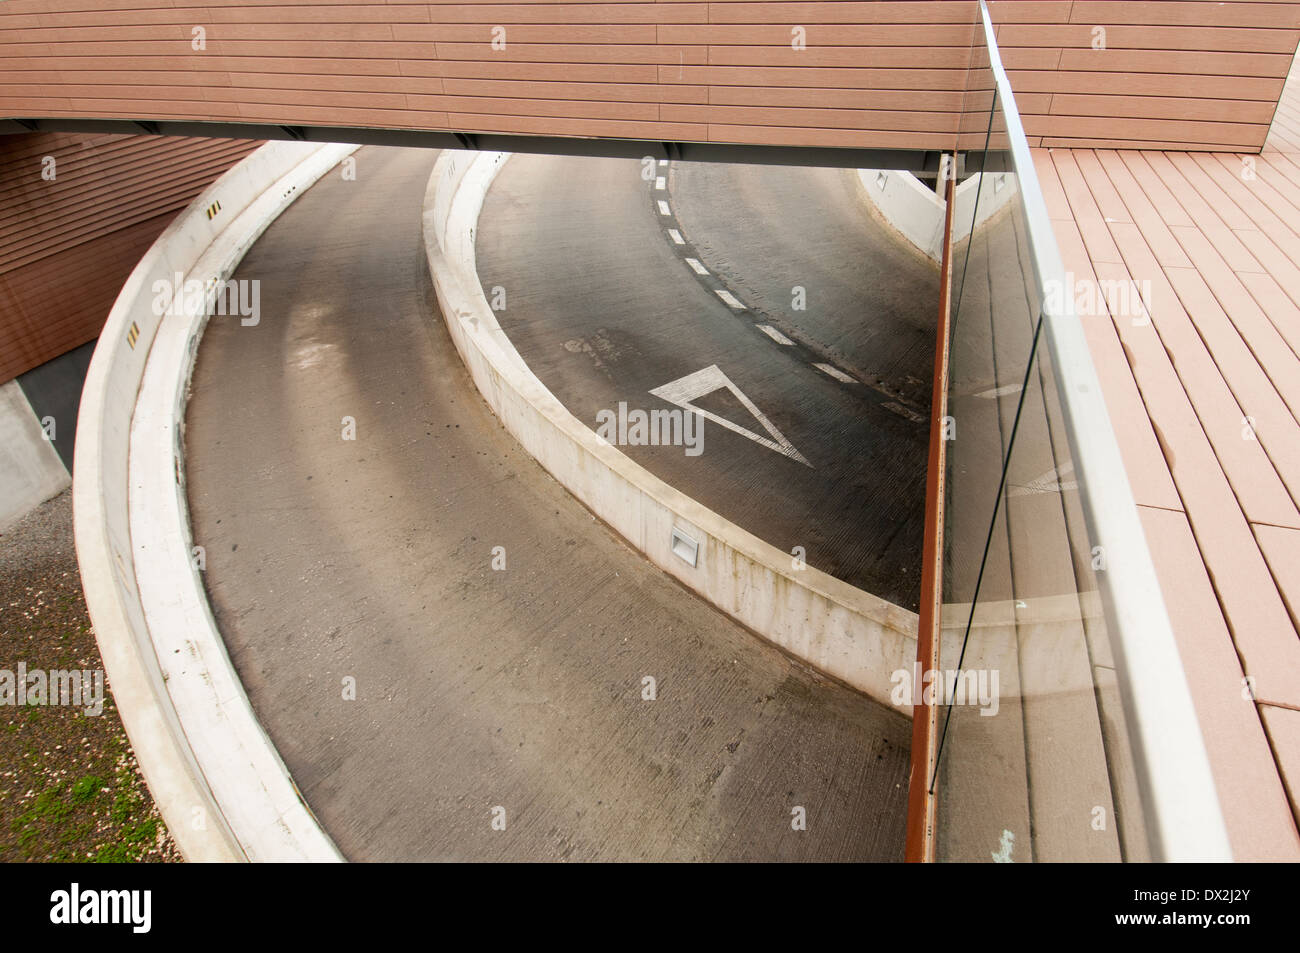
(30, 469)
(916, 212)
(250, 196)
(847, 633)
(907, 205)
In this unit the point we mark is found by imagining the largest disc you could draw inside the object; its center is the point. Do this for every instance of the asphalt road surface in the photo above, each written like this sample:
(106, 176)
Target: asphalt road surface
(612, 284)
(368, 563)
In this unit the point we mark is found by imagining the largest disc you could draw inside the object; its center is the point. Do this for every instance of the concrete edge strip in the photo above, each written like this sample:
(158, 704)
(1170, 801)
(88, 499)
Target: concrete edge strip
(214, 774)
(839, 629)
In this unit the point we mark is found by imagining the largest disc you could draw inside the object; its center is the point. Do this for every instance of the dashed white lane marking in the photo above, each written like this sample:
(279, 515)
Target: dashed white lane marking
(836, 373)
(735, 304)
(730, 299)
(694, 386)
(774, 334)
(663, 162)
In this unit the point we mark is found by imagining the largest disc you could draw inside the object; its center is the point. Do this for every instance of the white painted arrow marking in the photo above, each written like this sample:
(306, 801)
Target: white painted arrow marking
(694, 386)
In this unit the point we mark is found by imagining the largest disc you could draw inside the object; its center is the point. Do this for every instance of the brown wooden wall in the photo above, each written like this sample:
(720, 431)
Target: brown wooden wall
(1193, 75)
(67, 245)
(1197, 75)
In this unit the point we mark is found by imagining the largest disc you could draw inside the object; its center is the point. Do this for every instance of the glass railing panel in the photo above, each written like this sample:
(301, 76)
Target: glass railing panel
(1037, 753)
(982, 783)
(1081, 688)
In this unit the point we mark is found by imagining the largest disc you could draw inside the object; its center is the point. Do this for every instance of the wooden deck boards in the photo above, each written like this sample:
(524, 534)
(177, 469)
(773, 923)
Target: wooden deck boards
(1204, 393)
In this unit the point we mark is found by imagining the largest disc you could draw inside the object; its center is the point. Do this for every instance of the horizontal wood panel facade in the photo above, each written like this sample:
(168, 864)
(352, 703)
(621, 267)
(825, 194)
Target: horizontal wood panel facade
(68, 242)
(1194, 75)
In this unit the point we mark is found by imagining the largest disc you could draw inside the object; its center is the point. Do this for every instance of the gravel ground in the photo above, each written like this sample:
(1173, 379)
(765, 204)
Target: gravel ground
(70, 788)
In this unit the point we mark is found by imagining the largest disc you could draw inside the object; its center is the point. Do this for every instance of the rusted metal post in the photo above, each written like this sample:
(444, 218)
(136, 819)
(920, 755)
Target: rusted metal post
(919, 847)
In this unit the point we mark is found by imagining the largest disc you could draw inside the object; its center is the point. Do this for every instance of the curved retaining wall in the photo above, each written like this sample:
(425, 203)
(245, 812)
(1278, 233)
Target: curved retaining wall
(916, 211)
(847, 633)
(213, 773)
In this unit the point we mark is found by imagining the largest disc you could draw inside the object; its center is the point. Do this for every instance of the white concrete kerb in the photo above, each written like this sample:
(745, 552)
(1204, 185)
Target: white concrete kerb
(214, 774)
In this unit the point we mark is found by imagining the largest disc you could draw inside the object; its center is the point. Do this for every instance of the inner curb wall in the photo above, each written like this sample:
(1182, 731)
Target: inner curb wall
(214, 775)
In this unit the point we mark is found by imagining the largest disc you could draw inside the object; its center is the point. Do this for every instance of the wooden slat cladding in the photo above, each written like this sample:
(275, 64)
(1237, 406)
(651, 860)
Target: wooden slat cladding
(1194, 75)
(67, 243)
(1189, 75)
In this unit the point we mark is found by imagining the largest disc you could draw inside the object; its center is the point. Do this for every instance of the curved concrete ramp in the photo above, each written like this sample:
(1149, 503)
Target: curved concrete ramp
(372, 559)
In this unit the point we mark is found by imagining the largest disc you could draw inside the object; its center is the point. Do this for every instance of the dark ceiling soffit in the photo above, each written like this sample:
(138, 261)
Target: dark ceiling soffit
(922, 162)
